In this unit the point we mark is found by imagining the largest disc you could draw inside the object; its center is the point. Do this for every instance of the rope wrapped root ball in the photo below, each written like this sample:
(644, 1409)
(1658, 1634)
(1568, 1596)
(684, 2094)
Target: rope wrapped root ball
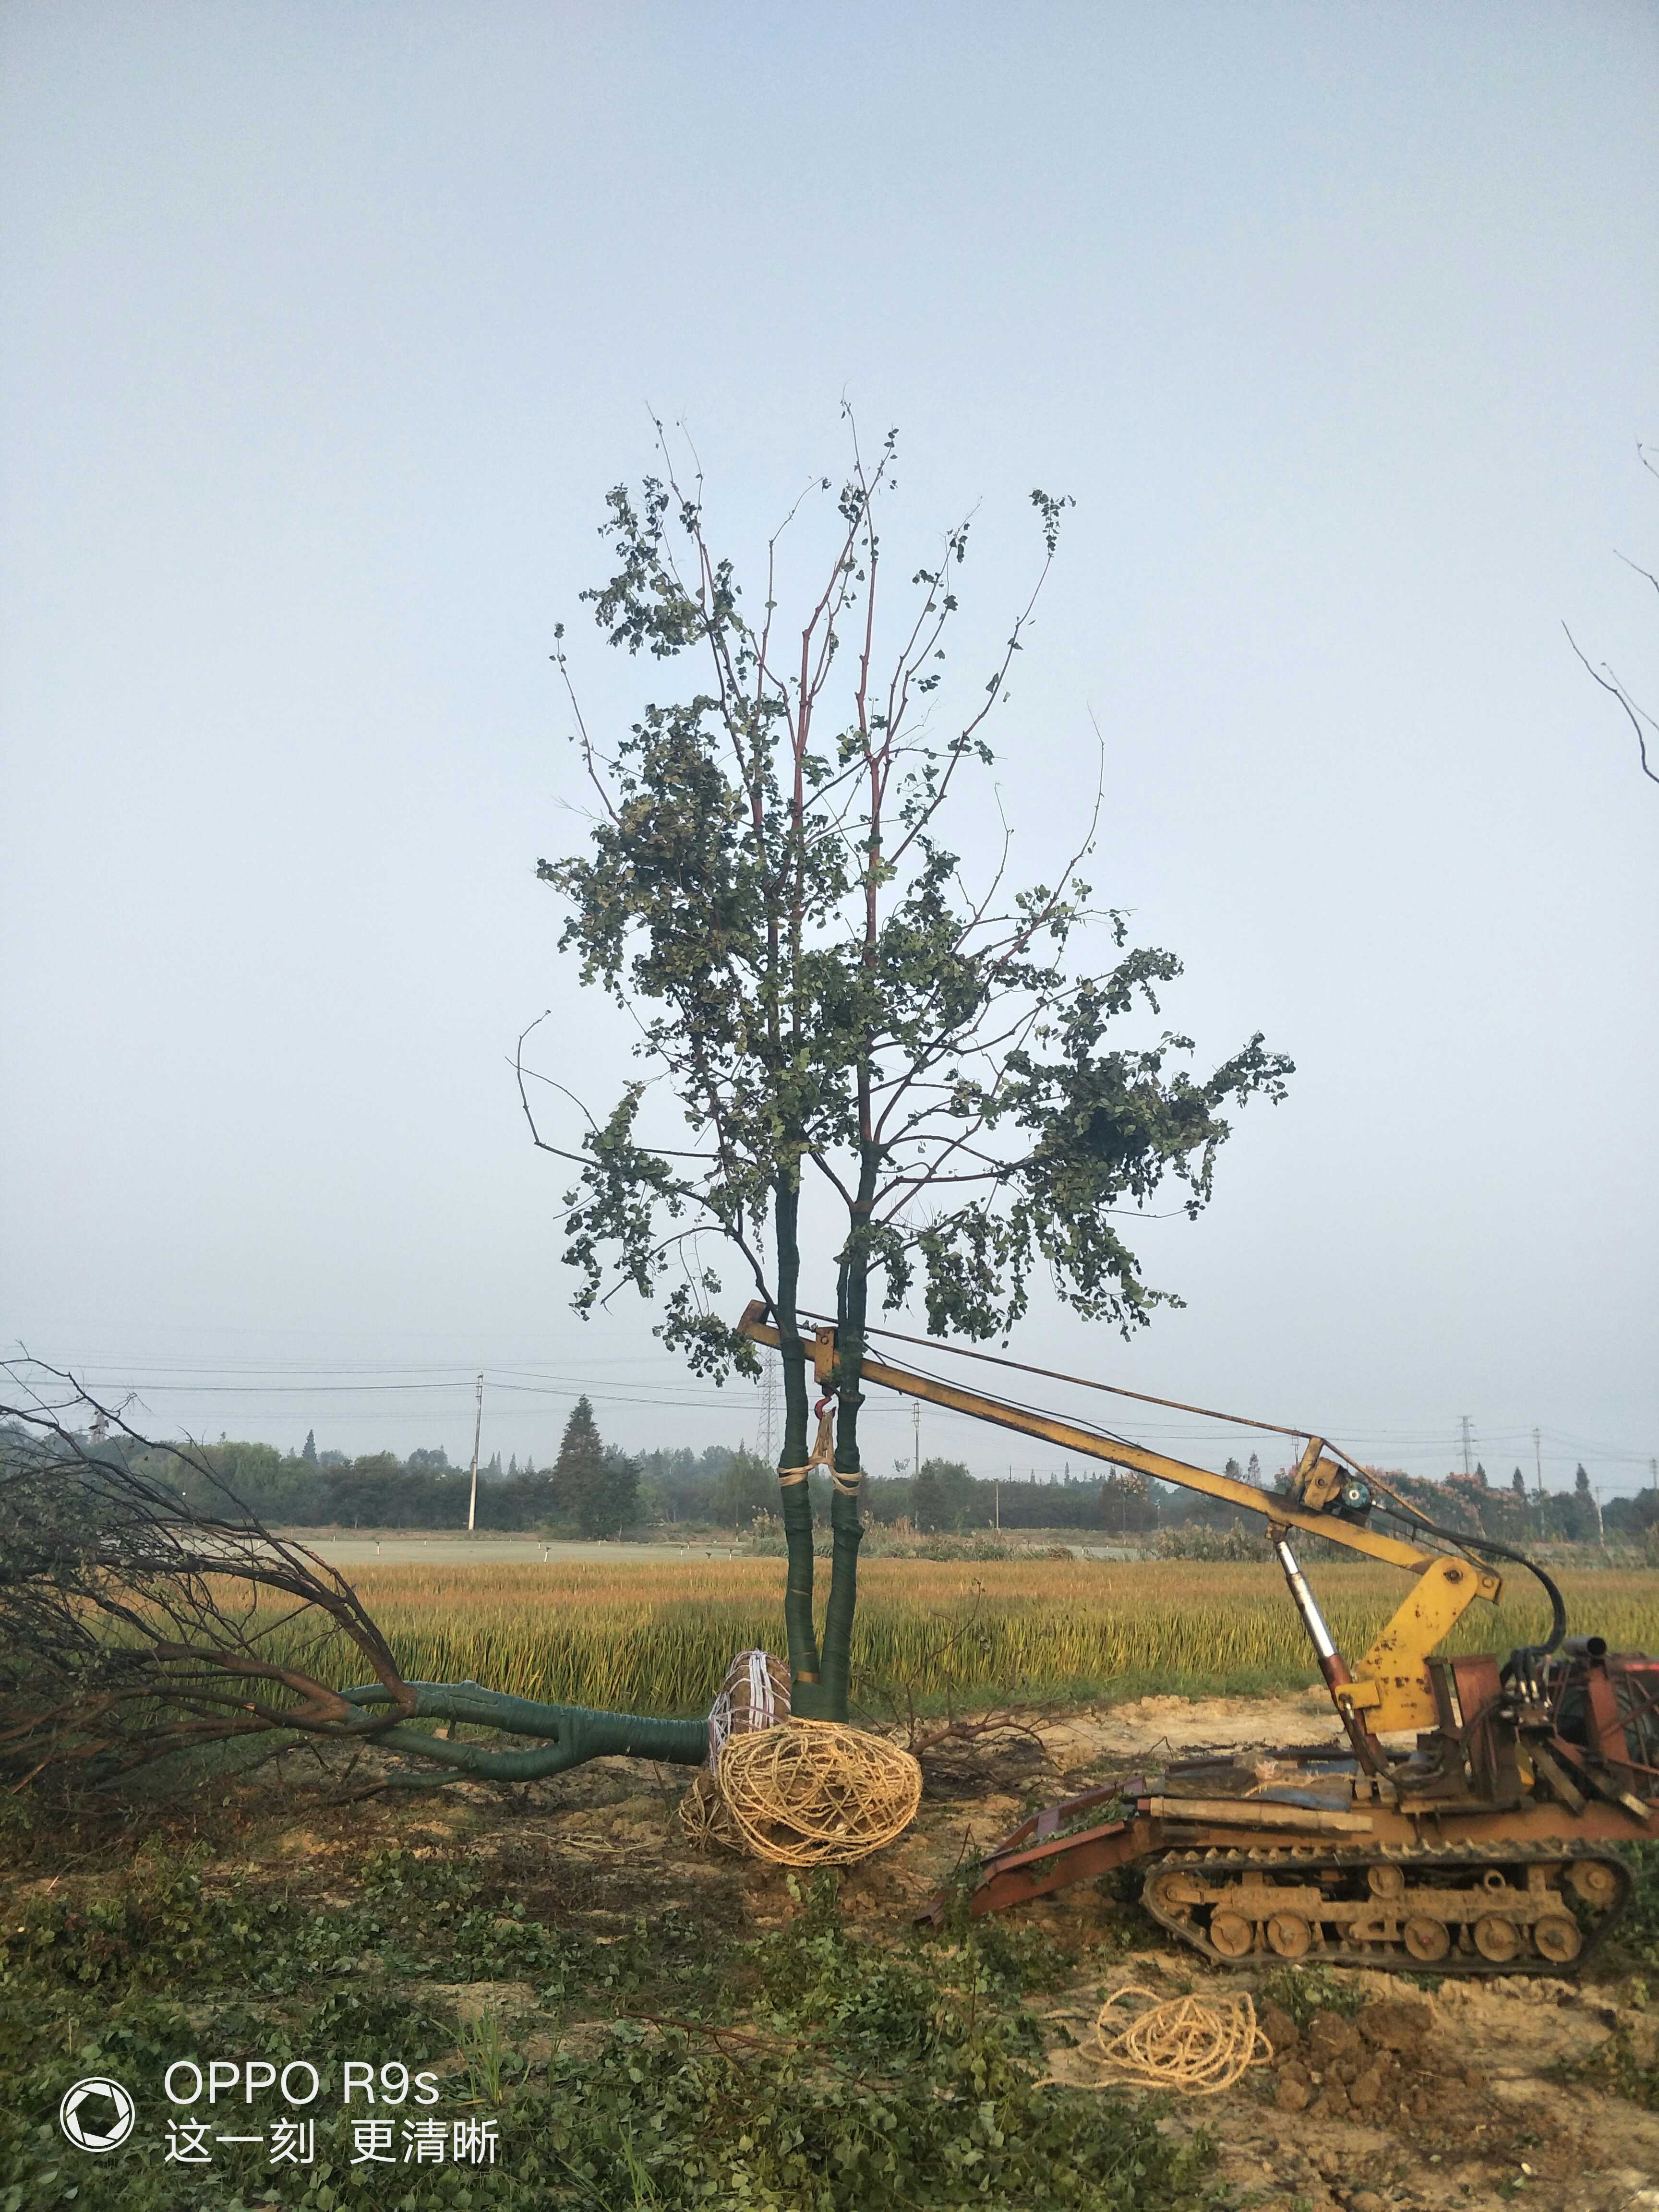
(815, 1793)
(1198, 2045)
(754, 1695)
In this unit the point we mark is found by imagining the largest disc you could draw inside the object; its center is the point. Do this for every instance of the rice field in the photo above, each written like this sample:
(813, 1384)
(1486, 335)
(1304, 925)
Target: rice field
(657, 1638)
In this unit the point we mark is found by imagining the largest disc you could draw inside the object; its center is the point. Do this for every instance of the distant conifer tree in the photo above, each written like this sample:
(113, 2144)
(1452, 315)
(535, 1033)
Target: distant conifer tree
(309, 1454)
(580, 1469)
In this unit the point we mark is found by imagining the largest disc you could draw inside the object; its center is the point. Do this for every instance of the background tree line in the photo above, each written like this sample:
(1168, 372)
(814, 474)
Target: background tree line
(593, 1490)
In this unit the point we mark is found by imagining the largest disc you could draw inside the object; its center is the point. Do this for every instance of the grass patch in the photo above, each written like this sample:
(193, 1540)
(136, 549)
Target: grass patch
(650, 1637)
(806, 2068)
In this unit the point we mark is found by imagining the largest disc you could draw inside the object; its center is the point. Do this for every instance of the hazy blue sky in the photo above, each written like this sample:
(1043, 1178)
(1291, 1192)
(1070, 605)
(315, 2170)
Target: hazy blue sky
(328, 328)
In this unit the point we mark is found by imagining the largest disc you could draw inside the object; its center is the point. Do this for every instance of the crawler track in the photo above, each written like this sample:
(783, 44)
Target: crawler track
(1453, 1909)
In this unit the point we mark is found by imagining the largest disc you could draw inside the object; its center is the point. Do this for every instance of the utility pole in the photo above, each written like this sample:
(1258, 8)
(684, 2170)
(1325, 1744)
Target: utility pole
(1538, 1469)
(1464, 1419)
(915, 1422)
(1600, 1530)
(477, 1430)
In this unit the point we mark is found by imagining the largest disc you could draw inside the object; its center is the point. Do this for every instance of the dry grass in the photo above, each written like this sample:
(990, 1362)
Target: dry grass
(657, 1638)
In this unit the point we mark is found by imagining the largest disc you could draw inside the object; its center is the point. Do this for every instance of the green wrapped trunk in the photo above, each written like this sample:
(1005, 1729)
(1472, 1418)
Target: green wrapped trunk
(575, 1734)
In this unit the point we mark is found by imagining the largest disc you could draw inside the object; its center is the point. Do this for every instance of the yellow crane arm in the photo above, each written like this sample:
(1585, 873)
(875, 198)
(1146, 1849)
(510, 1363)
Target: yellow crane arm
(1390, 1687)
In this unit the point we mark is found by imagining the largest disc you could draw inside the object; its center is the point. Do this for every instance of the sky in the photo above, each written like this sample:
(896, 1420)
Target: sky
(327, 329)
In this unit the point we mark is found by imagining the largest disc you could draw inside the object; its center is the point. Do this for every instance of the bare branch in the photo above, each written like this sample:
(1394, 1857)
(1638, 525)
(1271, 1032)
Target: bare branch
(1637, 716)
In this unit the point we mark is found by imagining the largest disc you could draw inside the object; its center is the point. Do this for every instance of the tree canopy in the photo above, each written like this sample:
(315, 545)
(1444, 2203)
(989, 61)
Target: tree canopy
(820, 997)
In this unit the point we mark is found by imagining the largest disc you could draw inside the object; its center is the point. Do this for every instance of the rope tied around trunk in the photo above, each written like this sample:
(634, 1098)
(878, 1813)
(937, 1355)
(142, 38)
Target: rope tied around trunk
(822, 1453)
(1199, 2045)
(754, 1695)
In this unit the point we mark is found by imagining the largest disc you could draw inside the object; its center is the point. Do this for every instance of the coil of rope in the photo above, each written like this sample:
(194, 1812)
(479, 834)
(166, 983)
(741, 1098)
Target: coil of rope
(1198, 2045)
(815, 1793)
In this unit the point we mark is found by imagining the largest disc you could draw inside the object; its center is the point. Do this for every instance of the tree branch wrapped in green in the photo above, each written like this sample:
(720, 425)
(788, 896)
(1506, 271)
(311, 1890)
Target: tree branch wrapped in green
(138, 1623)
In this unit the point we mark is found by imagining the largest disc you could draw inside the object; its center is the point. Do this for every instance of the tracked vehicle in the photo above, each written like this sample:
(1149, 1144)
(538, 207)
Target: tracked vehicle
(1467, 1816)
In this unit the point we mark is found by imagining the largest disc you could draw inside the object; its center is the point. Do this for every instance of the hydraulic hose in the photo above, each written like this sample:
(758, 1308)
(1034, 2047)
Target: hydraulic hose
(1402, 1511)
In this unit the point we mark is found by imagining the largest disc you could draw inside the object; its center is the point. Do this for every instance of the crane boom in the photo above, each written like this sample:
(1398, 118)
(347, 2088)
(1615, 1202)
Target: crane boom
(1390, 1687)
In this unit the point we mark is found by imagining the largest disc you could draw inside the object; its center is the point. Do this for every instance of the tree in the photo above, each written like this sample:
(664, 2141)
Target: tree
(747, 1489)
(1126, 1502)
(309, 1455)
(1252, 1472)
(1586, 1509)
(609, 1500)
(942, 1496)
(1233, 1470)
(819, 998)
(926, 1500)
(579, 1470)
(596, 1488)
(1518, 1484)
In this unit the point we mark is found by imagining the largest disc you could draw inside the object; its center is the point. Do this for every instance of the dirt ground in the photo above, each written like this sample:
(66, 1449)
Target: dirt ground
(1448, 2100)
(1396, 2096)
(1439, 2100)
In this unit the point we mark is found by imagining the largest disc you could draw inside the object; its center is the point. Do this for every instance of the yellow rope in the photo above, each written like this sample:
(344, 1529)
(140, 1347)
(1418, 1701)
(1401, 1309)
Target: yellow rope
(1199, 2045)
(814, 1793)
(704, 1816)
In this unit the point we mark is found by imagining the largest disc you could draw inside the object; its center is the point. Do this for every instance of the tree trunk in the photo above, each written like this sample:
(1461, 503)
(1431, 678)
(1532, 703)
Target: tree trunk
(574, 1733)
(846, 1525)
(794, 1497)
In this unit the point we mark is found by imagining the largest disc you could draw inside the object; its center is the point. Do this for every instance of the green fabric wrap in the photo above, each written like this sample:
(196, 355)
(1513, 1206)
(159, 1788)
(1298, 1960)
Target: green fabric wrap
(846, 1534)
(805, 1695)
(574, 1733)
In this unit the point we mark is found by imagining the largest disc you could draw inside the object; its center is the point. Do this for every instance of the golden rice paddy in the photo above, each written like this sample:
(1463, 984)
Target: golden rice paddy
(657, 1638)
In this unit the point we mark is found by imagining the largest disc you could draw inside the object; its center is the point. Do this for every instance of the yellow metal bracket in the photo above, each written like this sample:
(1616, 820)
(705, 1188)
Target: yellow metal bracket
(1317, 1481)
(1395, 1669)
